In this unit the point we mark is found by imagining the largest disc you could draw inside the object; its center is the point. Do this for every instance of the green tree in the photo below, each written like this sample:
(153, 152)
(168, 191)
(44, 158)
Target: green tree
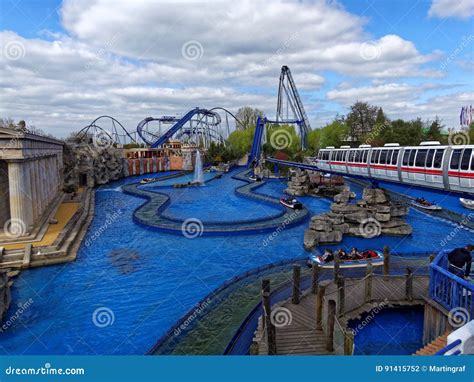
(361, 119)
(435, 131)
(334, 134)
(247, 117)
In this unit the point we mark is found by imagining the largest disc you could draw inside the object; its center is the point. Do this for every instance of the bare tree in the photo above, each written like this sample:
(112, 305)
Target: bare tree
(247, 117)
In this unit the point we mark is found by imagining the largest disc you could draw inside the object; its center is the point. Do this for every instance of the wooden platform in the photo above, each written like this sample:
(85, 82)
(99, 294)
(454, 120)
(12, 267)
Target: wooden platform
(296, 333)
(434, 346)
(300, 336)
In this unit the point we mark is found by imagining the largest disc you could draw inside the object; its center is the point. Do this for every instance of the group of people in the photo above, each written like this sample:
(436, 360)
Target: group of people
(423, 202)
(354, 254)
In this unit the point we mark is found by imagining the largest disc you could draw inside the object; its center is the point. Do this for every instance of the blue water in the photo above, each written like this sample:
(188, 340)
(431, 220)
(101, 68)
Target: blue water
(392, 331)
(149, 279)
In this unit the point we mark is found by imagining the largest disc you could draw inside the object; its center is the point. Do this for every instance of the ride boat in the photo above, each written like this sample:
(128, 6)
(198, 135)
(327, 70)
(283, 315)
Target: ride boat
(255, 178)
(374, 257)
(148, 180)
(424, 204)
(467, 203)
(292, 203)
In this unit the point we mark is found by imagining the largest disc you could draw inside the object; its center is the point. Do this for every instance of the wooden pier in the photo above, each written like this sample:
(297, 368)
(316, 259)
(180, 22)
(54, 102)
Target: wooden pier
(315, 321)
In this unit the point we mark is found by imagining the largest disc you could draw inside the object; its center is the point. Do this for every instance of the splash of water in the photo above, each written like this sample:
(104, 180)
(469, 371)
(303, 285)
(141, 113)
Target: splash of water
(198, 174)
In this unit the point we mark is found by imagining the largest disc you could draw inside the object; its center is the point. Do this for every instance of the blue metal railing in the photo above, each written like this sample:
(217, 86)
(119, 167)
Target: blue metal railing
(449, 290)
(449, 347)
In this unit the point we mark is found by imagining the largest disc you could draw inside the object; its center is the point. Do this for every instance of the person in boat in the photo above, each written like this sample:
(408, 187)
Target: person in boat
(369, 254)
(328, 256)
(460, 261)
(343, 255)
(355, 255)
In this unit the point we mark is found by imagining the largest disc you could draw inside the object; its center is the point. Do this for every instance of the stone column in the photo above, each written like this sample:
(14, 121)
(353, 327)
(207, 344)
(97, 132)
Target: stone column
(34, 191)
(39, 186)
(20, 201)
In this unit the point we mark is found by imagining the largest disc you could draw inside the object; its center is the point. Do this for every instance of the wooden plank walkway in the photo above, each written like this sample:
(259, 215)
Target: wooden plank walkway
(295, 324)
(297, 332)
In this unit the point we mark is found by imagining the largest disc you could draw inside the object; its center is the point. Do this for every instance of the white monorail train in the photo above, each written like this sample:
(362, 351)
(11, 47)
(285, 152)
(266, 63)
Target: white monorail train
(449, 168)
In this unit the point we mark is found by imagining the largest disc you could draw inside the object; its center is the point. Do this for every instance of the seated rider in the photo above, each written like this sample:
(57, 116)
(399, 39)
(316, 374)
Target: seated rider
(354, 255)
(328, 256)
(342, 255)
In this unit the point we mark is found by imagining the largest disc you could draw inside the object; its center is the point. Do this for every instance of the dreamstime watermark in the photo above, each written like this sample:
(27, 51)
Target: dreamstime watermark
(14, 228)
(280, 139)
(370, 50)
(103, 317)
(455, 231)
(458, 317)
(458, 138)
(192, 50)
(192, 228)
(14, 50)
(98, 232)
(376, 131)
(284, 47)
(280, 228)
(47, 369)
(189, 320)
(368, 319)
(456, 52)
(102, 52)
(281, 317)
(11, 321)
(12, 143)
(370, 228)
(102, 139)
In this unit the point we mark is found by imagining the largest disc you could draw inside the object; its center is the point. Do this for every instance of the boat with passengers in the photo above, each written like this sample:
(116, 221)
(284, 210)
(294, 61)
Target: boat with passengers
(351, 260)
(430, 164)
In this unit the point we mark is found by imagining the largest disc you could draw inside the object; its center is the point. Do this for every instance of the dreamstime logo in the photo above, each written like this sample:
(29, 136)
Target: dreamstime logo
(14, 50)
(458, 317)
(458, 138)
(14, 228)
(368, 319)
(280, 228)
(370, 228)
(192, 228)
(102, 140)
(192, 50)
(103, 317)
(369, 51)
(466, 219)
(281, 317)
(280, 139)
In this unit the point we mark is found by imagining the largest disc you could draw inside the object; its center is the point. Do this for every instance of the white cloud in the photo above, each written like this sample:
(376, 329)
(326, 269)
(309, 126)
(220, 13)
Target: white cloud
(404, 100)
(125, 59)
(462, 9)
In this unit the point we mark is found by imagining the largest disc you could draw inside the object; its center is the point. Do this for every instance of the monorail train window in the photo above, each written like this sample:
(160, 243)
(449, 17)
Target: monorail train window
(429, 158)
(358, 156)
(438, 159)
(406, 154)
(383, 157)
(411, 160)
(421, 158)
(375, 156)
(455, 159)
(395, 156)
(389, 156)
(364, 158)
(351, 156)
(466, 157)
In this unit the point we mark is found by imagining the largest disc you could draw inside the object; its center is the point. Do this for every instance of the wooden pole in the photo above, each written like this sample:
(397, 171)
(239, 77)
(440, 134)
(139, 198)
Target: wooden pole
(314, 278)
(348, 342)
(319, 307)
(337, 266)
(340, 295)
(432, 257)
(386, 260)
(295, 298)
(409, 285)
(331, 319)
(267, 313)
(368, 282)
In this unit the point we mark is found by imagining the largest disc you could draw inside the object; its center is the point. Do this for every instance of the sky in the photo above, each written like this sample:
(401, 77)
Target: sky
(63, 63)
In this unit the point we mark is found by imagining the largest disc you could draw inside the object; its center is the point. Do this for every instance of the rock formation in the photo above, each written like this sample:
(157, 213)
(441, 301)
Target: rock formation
(299, 183)
(91, 165)
(372, 216)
